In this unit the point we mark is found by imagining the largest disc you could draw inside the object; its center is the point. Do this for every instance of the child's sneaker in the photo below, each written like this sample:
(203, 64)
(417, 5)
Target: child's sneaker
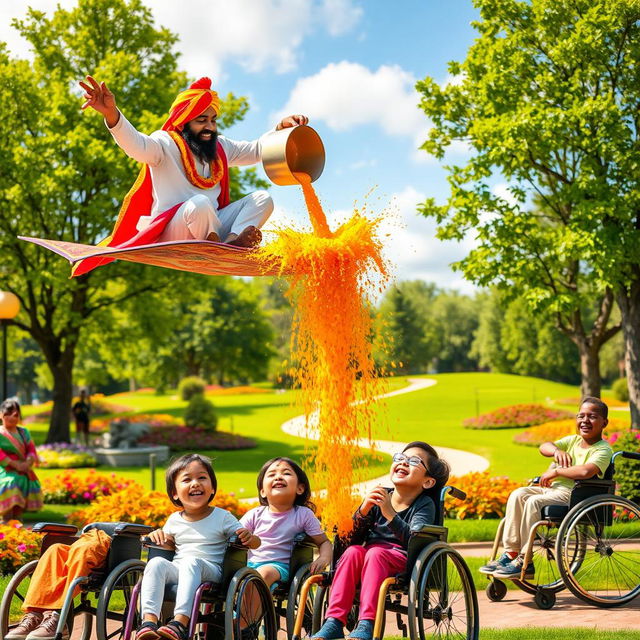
(173, 630)
(363, 630)
(494, 565)
(332, 629)
(147, 631)
(46, 630)
(513, 570)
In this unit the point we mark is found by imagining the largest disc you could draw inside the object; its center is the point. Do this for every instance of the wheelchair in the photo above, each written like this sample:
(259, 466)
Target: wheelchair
(590, 546)
(104, 593)
(436, 593)
(220, 610)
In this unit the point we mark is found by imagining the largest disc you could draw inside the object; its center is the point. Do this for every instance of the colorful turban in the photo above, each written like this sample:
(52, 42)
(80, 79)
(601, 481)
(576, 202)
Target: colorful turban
(191, 103)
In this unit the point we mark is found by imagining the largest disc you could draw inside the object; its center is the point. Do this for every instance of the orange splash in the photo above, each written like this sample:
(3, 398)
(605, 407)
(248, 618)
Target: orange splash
(333, 276)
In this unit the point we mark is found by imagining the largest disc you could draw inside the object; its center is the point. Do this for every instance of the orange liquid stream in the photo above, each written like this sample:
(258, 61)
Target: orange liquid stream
(332, 274)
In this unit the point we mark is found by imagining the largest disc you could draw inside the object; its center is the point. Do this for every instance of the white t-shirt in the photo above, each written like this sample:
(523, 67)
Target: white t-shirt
(206, 538)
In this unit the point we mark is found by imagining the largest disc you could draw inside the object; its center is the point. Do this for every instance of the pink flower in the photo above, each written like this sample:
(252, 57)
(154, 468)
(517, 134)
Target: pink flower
(86, 494)
(1, 536)
(22, 547)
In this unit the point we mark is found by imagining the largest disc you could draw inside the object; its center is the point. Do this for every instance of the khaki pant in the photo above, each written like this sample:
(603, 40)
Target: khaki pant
(524, 509)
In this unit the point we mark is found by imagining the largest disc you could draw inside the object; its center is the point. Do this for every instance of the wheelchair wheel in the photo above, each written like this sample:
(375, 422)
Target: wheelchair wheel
(11, 606)
(544, 599)
(293, 603)
(544, 556)
(249, 611)
(496, 590)
(609, 573)
(320, 603)
(442, 596)
(114, 600)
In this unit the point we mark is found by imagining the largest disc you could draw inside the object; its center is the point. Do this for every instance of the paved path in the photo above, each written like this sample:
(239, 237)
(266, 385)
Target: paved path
(461, 461)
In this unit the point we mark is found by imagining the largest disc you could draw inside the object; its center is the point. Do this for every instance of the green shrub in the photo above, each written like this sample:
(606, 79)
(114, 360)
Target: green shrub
(620, 390)
(200, 412)
(191, 386)
(627, 471)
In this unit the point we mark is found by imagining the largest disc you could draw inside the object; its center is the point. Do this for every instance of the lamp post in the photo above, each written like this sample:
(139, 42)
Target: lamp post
(9, 308)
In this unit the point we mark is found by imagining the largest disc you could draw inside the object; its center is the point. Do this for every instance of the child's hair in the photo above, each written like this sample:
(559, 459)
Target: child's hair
(603, 409)
(437, 468)
(9, 406)
(301, 500)
(182, 463)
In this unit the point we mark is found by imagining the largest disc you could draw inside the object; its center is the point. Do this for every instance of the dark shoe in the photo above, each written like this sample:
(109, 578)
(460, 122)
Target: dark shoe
(46, 630)
(513, 570)
(29, 622)
(363, 630)
(495, 565)
(147, 631)
(332, 629)
(173, 630)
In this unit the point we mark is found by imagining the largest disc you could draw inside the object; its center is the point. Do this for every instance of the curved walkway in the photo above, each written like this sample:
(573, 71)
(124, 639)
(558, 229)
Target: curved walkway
(461, 461)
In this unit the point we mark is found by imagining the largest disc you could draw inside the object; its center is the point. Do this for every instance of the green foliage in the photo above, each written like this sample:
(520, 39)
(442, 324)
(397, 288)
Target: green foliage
(200, 412)
(191, 386)
(620, 390)
(627, 474)
(546, 101)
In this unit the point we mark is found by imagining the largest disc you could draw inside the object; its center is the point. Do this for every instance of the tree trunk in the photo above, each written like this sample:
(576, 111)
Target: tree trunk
(62, 397)
(629, 302)
(591, 383)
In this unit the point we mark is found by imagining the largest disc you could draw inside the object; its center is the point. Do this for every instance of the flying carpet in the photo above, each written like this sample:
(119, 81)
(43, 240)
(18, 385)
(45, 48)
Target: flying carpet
(199, 256)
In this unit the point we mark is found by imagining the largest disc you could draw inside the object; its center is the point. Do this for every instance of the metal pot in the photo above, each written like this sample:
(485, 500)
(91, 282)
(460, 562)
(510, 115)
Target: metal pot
(292, 150)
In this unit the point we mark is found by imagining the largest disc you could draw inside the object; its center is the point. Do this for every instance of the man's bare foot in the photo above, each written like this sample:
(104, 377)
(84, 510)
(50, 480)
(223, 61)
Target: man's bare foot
(249, 237)
(213, 237)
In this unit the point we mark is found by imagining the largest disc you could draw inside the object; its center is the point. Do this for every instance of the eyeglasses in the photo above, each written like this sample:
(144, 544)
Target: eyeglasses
(413, 461)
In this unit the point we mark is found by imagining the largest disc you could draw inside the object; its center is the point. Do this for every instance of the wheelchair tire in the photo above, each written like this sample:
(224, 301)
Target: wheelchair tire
(14, 595)
(496, 590)
(442, 596)
(293, 602)
(609, 573)
(119, 583)
(242, 623)
(544, 599)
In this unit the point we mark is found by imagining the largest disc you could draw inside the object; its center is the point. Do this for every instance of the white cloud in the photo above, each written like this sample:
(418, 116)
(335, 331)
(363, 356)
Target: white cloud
(347, 94)
(257, 34)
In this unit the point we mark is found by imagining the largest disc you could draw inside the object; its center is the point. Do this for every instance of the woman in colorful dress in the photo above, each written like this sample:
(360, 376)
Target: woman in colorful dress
(19, 486)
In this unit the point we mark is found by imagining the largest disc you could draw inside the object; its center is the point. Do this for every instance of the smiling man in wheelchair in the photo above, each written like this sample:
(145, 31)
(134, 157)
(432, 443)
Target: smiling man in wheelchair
(577, 457)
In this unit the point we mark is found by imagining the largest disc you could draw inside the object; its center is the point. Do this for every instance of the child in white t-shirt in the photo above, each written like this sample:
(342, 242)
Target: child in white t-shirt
(199, 534)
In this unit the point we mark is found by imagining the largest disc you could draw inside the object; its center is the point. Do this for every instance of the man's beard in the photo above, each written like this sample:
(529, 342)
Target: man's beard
(206, 150)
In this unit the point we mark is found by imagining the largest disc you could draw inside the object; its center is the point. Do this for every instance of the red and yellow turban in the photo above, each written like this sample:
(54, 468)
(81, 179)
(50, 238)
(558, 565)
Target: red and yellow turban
(191, 103)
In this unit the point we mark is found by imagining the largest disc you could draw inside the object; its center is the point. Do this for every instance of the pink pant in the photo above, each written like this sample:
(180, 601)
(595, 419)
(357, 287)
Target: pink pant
(367, 566)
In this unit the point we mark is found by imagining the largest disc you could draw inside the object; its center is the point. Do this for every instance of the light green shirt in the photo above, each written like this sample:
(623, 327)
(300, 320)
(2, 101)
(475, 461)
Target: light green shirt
(598, 453)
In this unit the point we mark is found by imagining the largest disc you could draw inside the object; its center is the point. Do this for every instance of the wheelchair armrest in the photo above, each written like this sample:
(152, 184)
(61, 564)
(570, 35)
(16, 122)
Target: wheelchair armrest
(628, 454)
(233, 542)
(132, 529)
(431, 531)
(534, 481)
(55, 528)
(150, 544)
(303, 540)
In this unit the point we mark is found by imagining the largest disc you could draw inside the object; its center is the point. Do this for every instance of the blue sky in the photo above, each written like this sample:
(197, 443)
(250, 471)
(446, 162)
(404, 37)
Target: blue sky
(351, 65)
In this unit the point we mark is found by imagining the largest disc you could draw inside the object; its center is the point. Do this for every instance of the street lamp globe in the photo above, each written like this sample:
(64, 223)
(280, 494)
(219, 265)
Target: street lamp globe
(9, 305)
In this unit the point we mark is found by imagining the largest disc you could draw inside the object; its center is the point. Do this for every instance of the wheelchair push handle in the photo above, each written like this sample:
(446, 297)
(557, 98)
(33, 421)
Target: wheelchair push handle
(626, 454)
(454, 492)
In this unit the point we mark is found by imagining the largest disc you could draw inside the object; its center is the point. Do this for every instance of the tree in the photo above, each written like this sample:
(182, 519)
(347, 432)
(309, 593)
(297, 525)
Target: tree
(547, 99)
(62, 176)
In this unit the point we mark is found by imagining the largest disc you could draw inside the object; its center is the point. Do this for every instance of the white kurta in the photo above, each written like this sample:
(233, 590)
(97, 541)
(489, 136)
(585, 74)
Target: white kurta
(170, 183)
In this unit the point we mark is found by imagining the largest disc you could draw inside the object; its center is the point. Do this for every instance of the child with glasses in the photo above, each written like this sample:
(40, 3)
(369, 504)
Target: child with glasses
(383, 524)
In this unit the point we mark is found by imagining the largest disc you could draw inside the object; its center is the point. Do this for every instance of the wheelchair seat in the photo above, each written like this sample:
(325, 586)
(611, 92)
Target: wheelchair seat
(554, 512)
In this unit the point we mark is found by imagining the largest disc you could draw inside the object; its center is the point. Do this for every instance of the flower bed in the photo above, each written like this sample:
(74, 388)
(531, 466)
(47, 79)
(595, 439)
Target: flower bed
(190, 438)
(73, 488)
(99, 406)
(137, 505)
(216, 390)
(152, 419)
(63, 455)
(552, 431)
(486, 496)
(517, 415)
(18, 546)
